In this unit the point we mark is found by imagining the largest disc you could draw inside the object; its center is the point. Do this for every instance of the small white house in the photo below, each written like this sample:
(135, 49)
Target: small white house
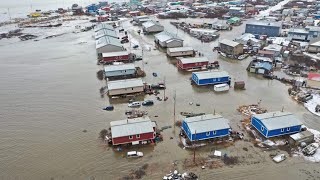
(127, 86)
(180, 51)
(152, 27)
(120, 70)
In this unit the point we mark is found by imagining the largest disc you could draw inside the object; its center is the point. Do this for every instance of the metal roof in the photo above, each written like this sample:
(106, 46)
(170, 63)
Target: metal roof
(178, 49)
(298, 30)
(120, 67)
(313, 28)
(278, 120)
(301, 135)
(193, 60)
(265, 23)
(130, 127)
(151, 23)
(206, 123)
(229, 42)
(127, 83)
(273, 47)
(165, 36)
(264, 65)
(113, 54)
(105, 32)
(210, 74)
(203, 30)
(107, 40)
(103, 26)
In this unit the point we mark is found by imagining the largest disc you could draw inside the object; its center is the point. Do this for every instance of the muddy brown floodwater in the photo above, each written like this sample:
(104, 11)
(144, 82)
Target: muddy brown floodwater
(49, 94)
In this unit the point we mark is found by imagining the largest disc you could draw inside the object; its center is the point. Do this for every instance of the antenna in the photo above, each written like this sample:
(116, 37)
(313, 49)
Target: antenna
(282, 109)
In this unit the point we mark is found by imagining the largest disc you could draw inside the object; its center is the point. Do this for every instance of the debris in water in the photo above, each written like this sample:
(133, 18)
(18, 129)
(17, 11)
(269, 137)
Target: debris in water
(84, 131)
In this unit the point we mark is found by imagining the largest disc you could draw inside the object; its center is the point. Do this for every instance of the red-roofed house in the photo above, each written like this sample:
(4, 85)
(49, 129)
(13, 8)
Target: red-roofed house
(314, 80)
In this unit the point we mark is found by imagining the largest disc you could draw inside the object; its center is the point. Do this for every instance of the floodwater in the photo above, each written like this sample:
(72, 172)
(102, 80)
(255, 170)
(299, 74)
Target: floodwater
(49, 94)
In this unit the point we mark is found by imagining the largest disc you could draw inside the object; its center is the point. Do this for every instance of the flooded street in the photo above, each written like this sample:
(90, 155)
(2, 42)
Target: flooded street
(50, 94)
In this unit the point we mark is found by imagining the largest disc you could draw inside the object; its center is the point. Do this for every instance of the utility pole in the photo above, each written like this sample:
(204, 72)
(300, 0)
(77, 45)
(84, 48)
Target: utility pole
(174, 112)
(142, 59)
(9, 14)
(194, 147)
(164, 91)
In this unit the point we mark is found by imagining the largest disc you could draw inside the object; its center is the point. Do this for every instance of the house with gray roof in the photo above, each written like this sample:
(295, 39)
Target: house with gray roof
(168, 40)
(152, 27)
(276, 123)
(205, 127)
(108, 44)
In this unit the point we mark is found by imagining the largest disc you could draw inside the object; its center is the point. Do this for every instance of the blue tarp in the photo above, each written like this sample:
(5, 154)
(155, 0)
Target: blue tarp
(264, 65)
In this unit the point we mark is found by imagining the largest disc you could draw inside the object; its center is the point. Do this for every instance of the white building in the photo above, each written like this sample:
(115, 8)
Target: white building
(180, 51)
(152, 27)
(127, 86)
(200, 32)
(108, 44)
(105, 32)
(168, 40)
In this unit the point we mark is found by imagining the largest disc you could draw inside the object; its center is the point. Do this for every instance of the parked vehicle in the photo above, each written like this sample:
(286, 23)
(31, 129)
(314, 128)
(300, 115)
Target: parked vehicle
(279, 158)
(134, 154)
(147, 103)
(134, 104)
(135, 46)
(124, 37)
(221, 87)
(124, 41)
(108, 108)
(121, 30)
(158, 86)
(310, 149)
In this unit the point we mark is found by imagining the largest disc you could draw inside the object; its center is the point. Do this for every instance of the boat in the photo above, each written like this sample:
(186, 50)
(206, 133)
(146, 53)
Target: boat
(134, 154)
(279, 158)
(135, 114)
(310, 149)
(188, 114)
(221, 87)
(242, 57)
(222, 54)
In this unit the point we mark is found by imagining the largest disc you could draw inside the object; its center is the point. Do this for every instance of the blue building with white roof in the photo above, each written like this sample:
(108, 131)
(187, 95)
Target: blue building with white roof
(277, 123)
(210, 77)
(205, 127)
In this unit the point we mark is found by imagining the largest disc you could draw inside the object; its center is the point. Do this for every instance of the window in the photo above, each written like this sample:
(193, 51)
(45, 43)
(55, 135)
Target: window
(138, 136)
(130, 137)
(214, 132)
(132, 88)
(208, 133)
(262, 128)
(288, 129)
(282, 130)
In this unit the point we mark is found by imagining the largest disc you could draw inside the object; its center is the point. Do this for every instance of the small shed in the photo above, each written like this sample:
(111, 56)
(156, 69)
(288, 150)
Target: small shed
(263, 68)
(301, 137)
(152, 27)
(192, 63)
(210, 77)
(132, 131)
(115, 56)
(108, 44)
(120, 70)
(127, 86)
(276, 123)
(205, 127)
(180, 51)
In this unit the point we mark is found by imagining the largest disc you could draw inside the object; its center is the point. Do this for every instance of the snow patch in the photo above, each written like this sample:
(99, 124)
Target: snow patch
(311, 104)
